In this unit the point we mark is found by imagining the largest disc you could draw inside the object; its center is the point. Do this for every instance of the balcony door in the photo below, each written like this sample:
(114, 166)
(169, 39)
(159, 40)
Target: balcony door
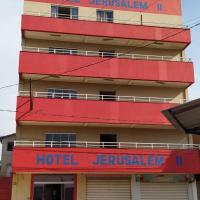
(108, 140)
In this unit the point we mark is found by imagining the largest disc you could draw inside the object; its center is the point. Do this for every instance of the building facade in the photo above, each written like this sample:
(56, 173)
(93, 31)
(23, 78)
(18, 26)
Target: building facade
(94, 78)
(7, 142)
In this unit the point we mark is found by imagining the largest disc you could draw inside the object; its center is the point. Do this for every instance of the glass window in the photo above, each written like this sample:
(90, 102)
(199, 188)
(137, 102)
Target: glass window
(64, 12)
(65, 51)
(104, 16)
(54, 11)
(61, 139)
(74, 13)
(62, 93)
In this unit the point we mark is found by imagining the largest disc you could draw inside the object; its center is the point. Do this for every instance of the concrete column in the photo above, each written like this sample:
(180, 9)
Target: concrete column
(21, 187)
(81, 187)
(135, 188)
(193, 191)
(190, 139)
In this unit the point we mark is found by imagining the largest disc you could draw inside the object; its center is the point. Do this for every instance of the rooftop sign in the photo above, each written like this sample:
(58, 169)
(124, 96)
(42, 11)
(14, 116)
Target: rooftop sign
(171, 7)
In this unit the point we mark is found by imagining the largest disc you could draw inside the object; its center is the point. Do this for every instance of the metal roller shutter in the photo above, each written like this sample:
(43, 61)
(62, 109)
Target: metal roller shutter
(164, 191)
(198, 190)
(108, 188)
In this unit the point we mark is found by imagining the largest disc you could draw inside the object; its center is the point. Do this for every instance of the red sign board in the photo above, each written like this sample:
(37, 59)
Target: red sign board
(172, 7)
(77, 160)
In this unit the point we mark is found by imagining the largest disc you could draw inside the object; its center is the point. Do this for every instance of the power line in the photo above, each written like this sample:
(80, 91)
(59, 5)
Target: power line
(137, 47)
(168, 36)
(8, 110)
(8, 86)
(91, 64)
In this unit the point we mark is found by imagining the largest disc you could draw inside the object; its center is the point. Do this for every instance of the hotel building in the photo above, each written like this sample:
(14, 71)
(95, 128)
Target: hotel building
(94, 78)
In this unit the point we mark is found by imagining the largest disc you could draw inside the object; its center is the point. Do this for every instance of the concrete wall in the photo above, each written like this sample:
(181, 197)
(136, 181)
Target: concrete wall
(81, 187)
(92, 134)
(95, 47)
(121, 90)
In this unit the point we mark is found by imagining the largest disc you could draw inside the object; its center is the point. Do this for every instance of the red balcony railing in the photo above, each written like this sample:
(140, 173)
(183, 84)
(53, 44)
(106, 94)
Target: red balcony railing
(121, 66)
(110, 30)
(91, 112)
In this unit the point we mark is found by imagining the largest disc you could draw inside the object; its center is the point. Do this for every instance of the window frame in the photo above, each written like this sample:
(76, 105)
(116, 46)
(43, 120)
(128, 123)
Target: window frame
(61, 143)
(103, 15)
(63, 94)
(55, 12)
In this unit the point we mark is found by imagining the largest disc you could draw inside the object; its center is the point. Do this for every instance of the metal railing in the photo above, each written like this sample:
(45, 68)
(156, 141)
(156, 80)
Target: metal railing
(65, 51)
(102, 97)
(130, 20)
(120, 145)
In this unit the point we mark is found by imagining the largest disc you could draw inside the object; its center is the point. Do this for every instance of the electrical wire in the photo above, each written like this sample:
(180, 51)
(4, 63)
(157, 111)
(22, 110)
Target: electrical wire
(110, 58)
(91, 64)
(8, 86)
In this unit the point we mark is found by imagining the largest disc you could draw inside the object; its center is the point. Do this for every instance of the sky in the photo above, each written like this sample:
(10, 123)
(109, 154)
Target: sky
(10, 43)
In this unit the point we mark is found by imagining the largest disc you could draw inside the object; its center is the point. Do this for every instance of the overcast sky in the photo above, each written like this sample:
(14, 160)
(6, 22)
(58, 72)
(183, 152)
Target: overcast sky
(10, 41)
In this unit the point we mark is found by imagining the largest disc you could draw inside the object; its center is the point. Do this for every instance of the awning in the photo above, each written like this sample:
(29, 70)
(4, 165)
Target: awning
(185, 117)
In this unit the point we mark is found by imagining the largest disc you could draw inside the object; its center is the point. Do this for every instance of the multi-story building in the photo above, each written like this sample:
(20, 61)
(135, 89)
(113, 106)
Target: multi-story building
(94, 78)
(7, 142)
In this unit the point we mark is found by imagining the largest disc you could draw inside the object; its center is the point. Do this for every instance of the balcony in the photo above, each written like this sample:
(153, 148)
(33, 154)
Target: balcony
(122, 68)
(41, 27)
(84, 157)
(90, 109)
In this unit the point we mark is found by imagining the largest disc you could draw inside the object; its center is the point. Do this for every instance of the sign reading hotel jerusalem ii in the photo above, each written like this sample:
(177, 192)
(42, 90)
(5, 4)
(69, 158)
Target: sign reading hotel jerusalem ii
(118, 3)
(161, 7)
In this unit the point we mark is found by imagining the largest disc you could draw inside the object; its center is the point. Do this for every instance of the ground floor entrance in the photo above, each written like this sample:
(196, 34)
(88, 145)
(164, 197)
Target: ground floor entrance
(53, 187)
(104, 187)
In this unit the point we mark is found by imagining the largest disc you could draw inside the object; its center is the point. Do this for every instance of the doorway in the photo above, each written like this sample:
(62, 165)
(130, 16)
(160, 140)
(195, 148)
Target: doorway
(108, 140)
(107, 95)
(53, 187)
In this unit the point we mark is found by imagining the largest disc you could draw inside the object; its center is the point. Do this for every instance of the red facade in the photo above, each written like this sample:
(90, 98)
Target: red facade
(116, 68)
(61, 160)
(99, 29)
(88, 111)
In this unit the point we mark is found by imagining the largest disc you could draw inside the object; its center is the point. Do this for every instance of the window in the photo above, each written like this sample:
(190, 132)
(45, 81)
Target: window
(104, 16)
(60, 50)
(108, 140)
(64, 12)
(107, 95)
(105, 53)
(62, 93)
(10, 146)
(62, 139)
(53, 187)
